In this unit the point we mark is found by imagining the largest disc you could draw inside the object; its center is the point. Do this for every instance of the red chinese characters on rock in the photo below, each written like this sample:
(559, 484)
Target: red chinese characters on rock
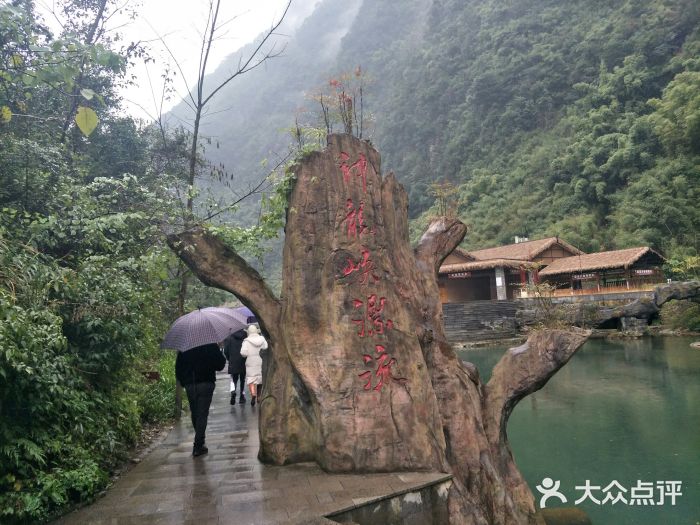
(365, 268)
(357, 169)
(372, 321)
(354, 220)
(382, 373)
(373, 324)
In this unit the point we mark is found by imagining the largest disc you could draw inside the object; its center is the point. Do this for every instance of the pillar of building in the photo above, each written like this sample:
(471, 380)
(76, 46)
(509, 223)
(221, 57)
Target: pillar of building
(501, 293)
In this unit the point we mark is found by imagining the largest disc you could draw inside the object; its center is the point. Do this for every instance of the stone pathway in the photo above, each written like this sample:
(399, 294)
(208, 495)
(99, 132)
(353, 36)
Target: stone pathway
(229, 485)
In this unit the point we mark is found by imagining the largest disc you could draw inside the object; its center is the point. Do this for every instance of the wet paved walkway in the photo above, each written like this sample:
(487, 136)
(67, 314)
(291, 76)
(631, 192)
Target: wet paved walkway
(229, 485)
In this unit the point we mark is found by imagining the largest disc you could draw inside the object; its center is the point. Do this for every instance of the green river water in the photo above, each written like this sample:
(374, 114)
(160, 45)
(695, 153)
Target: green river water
(620, 410)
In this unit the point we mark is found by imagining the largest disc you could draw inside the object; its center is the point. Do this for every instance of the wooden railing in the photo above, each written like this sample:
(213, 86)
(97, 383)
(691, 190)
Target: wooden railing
(604, 289)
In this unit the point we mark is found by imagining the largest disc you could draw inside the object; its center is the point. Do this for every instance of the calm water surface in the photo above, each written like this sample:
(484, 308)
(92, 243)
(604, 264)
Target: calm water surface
(619, 410)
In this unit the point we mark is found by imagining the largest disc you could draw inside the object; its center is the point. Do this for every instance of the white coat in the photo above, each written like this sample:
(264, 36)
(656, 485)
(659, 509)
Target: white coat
(253, 364)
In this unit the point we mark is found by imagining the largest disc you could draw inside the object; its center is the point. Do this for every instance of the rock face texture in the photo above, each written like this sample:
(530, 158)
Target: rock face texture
(685, 290)
(361, 377)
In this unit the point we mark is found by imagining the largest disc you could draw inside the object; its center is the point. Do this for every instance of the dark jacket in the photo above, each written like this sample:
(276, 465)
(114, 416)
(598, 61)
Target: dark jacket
(232, 351)
(199, 365)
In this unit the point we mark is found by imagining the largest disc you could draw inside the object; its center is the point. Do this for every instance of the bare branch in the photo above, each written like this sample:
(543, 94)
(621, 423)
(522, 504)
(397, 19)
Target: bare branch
(52, 10)
(227, 22)
(206, 48)
(182, 122)
(244, 67)
(177, 64)
(114, 12)
(157, 107)
(252, 191)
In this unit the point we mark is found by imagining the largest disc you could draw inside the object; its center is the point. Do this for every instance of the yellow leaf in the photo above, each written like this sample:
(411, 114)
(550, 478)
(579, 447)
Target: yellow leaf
(87, 120)
(5, 114)
(17, 60)
(18, 486)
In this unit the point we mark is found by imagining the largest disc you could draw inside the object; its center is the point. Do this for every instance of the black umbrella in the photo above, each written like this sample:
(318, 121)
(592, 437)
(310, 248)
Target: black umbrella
(204, 326)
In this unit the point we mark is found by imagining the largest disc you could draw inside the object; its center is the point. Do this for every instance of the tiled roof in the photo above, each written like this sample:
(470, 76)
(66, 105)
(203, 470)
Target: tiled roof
(464, 253)
(481, 265)
(598, 261)
(526, 251)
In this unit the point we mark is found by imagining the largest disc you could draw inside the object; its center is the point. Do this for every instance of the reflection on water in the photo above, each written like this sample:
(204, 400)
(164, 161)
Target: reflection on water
(625, 410)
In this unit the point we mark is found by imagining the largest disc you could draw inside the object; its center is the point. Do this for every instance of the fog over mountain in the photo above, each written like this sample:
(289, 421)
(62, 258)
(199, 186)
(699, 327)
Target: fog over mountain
(249, 116)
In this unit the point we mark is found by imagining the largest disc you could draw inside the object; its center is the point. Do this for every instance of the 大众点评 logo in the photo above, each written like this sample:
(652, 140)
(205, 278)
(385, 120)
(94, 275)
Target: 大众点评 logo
(647, 493)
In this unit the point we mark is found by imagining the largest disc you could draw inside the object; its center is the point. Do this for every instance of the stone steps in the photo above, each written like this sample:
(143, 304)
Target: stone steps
(480, 320)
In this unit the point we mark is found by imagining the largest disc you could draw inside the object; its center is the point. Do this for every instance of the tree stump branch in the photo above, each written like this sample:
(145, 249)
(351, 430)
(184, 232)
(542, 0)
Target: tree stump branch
(521, 371)
(215, 264)
(439, 240)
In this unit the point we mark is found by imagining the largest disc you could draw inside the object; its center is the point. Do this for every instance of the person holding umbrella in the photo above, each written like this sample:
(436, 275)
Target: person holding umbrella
(196, 337)
(196, 370)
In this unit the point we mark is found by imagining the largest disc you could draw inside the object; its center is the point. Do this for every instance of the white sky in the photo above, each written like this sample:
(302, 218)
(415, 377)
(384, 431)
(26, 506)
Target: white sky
(180, 23)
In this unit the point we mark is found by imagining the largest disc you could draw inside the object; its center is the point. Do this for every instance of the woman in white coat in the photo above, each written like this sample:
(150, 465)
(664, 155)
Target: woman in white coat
(252, 345)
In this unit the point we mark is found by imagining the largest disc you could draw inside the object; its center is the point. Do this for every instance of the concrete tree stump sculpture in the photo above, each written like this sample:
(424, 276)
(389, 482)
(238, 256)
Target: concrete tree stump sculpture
(361, 377)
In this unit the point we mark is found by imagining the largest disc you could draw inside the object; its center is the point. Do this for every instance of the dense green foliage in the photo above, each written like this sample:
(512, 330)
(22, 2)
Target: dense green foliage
(84, 293)
(684, 315)
(74, 342)
(87, 283)
(573, 119)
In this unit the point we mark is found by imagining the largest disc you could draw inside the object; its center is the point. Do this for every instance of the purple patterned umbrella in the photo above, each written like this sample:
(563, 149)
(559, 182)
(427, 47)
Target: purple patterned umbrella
(204, 326)
(244, 311)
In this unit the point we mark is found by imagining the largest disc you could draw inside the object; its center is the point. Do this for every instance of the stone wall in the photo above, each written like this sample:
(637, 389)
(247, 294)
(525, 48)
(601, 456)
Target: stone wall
(426, 506)
(480, 320)
(493, 320)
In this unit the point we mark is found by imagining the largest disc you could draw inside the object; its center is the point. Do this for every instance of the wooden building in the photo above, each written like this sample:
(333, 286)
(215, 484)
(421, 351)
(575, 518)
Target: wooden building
(498, 273)
(613, 271)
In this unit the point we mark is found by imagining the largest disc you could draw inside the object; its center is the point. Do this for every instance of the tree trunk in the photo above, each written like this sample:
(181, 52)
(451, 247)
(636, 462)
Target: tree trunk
(361, 377)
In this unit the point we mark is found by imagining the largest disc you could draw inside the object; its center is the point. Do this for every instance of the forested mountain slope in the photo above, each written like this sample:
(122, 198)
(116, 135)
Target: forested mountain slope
(580, 119)
(544, 113)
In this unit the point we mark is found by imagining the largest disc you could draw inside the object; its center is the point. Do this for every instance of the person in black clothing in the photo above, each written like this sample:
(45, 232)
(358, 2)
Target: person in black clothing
(196, 371)
(236, 363)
